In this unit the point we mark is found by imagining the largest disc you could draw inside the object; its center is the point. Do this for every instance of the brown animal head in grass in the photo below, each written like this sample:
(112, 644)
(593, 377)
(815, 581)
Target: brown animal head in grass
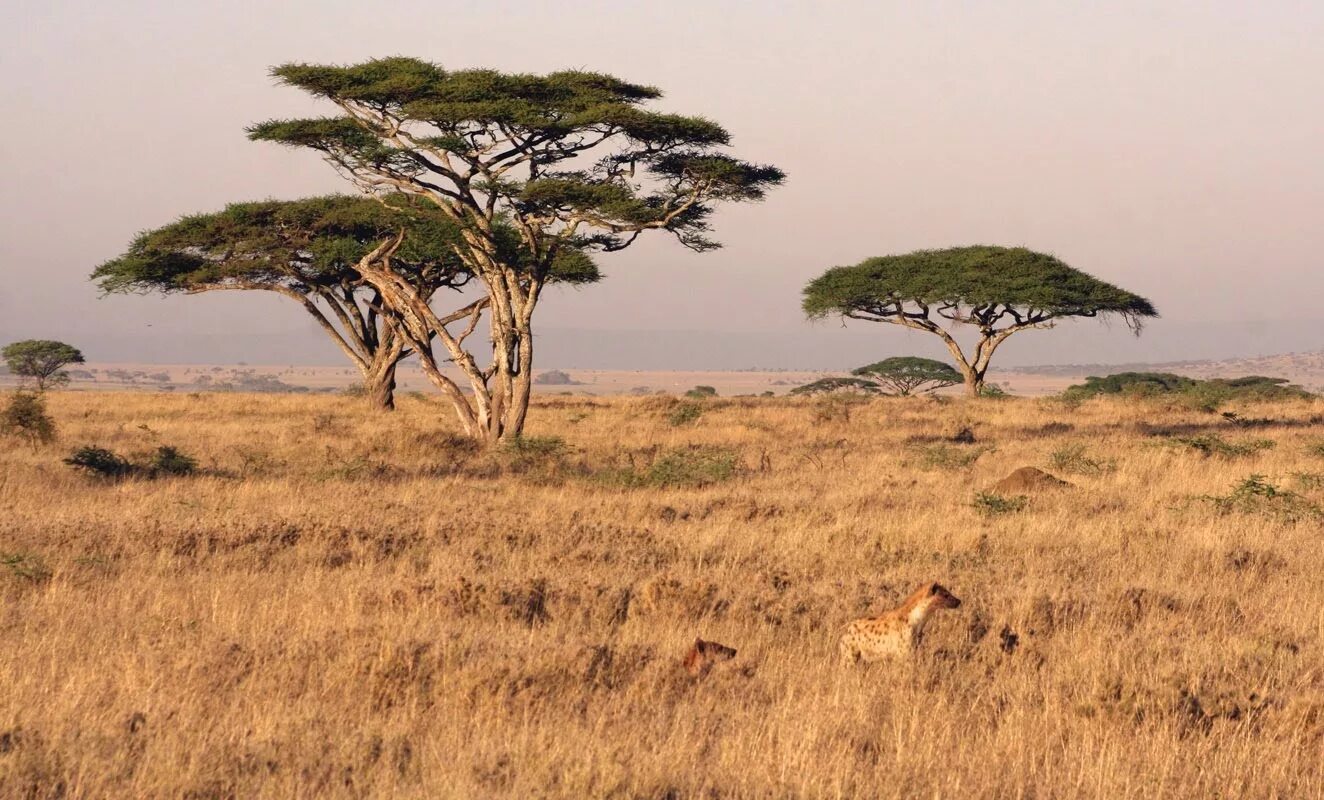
(941, 598)
(703, 655)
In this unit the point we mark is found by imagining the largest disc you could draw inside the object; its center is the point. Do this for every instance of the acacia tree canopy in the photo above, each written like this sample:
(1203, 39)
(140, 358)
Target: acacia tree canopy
(307, 250)
(904, 374)
(573, 160)
(996, 290)
(41, 360)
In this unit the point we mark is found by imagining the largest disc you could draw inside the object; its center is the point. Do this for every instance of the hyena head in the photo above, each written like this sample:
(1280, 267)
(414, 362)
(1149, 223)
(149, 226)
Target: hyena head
(941, 598)
(703, 655)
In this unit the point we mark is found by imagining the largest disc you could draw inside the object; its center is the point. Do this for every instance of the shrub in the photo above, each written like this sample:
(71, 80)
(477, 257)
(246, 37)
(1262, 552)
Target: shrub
(555, 377)
(1212, 444)
(169, 461)
(993, 392)
(1257, 495)
(829, 385)
(1207, 395)
(26, 567)
(991, 504)
(25, 417)
(685, 413)
(100, 462)
(693, 466)
(1072, 459)
(700, 392)
(946, 456)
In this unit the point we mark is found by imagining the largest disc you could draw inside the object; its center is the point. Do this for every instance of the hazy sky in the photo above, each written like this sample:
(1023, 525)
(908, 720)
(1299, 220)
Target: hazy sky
(1176, 149)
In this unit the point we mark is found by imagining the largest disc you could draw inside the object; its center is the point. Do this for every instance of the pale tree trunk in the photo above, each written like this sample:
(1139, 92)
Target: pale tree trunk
(379, 385)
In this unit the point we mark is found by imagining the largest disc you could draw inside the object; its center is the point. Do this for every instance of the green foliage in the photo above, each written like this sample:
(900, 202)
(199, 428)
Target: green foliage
(831, 385)
(1211, 444)
(693, 466)
(992, 391)
(1073, 459)
(946, 456)
(1257, 495)
(991, 504)
(26, 567)
(701, 392)
(100, 462)
(978, 277)
(41, 360)
(1207, 395)
(103, 463)
(535, 447)
(1310, 481)
(25, 417)
(906, 374)
(643, 162)
(685, 413)
(168, 460)
(685, 467)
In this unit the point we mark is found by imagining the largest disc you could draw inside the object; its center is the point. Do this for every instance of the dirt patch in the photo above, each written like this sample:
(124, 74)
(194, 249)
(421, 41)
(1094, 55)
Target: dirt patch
(1028, 479)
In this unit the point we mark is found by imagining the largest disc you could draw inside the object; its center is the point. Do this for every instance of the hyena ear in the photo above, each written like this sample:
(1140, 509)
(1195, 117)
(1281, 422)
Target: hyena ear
(935, 588)
(698, 644)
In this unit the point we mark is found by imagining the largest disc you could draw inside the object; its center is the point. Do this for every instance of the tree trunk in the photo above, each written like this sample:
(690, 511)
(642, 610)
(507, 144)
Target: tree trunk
(380, 388)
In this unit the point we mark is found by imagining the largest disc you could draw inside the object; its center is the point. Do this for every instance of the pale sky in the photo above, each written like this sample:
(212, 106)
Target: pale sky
(1175, 149)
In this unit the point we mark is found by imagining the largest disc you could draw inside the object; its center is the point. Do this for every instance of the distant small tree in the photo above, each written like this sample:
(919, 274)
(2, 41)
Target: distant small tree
(41, 360)
(25, 417)
(995, 290)
(700, 392)
(906, 374)
(832, 385)
(555, 377)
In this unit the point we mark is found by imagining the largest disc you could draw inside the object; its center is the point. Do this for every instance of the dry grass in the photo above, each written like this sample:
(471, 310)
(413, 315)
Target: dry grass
(351, 605)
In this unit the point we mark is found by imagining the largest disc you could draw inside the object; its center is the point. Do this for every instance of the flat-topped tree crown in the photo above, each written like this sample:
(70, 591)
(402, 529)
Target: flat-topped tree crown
(903, 375)
(996, 290)
(571, 159)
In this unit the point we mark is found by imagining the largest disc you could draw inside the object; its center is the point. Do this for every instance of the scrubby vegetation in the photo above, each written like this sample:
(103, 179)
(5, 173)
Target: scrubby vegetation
(1206, 394)
(375, 607)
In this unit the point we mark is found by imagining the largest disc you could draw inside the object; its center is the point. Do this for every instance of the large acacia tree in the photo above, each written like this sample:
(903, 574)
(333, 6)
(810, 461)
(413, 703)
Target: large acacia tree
(997, 291)
(310, 251)
(571, 159)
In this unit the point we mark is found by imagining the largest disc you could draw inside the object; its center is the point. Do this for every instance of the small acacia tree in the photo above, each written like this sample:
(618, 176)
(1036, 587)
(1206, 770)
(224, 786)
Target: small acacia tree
(995, 290)
(569, 159)
(41, 360)
(903, 375)
(309, 251)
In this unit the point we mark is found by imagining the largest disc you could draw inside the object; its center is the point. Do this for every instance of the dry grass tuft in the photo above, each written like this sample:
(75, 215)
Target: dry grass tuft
(341, 604)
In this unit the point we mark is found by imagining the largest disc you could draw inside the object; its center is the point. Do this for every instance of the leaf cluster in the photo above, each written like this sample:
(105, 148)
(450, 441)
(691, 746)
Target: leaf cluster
(467, 135)
(982, 284)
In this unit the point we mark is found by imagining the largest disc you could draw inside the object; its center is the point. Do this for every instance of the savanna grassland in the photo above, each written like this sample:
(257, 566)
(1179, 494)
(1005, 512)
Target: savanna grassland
(342, 603)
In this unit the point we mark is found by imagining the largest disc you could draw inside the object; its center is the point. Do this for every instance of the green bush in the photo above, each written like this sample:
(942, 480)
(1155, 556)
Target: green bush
(100, 462)
(103, 463)
(1072, 459)
(946, 456)
(25, 417)
(700, 392)
(169, 461)
(689, 467)
(1211, 444)
(1257, 495)
(991, 504)
(1207, 395)
(685, 413)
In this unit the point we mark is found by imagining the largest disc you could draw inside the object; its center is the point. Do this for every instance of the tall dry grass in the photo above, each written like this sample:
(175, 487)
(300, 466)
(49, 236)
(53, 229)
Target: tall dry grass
(346, 604)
